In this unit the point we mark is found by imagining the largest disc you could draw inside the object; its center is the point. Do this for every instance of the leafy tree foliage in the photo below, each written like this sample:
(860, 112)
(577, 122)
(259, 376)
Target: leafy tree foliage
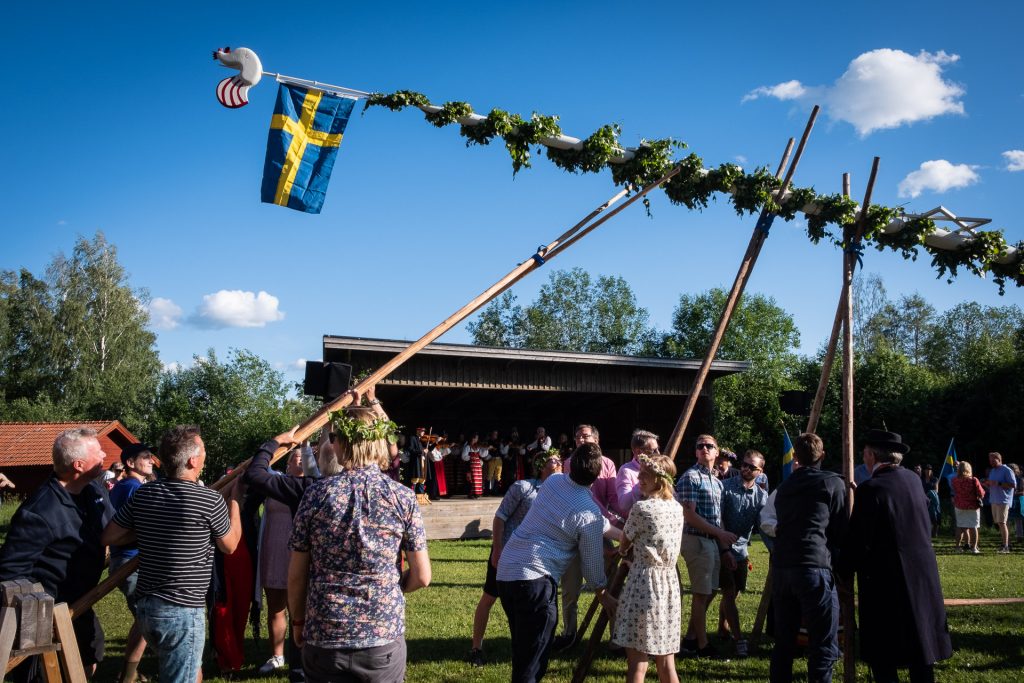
(572, 312)
(77, 341)
(238, 403)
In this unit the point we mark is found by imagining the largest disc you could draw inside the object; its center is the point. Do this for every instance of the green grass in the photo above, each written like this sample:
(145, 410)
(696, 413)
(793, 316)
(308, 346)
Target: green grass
(987, 640)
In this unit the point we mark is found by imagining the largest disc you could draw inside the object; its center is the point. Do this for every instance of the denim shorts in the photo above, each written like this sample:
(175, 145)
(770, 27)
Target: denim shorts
(177, 634)
(128, 585)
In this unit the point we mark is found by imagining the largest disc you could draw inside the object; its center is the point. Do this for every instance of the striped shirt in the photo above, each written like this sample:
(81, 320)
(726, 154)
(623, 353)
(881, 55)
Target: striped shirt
(176, 523)
(564, 520)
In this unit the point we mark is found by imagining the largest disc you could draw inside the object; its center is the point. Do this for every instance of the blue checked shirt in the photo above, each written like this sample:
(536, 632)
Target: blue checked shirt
(741, 511)
(699, 485)
(564, 520)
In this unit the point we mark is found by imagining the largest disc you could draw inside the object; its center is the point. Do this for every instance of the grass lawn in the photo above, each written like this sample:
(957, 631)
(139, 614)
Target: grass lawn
(988, 641)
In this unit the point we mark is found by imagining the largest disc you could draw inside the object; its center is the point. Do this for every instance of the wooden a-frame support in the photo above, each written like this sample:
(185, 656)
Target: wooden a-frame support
(305, 430)
(742, 276)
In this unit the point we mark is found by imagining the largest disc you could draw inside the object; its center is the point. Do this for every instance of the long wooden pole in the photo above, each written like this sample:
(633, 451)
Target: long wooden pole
(830, 352)
(742, 276)
(853, 238)
(579, 674)
(321, 417)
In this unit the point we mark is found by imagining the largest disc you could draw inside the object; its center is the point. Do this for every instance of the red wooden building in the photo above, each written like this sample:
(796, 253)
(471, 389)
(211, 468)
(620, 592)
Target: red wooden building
(26, 448)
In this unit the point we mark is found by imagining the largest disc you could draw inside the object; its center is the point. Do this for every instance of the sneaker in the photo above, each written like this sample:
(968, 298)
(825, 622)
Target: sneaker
(742, 648)
(273, 664)
(975, 551)
(476, 657)
(708, 652)
(688, 646)
(563, 642)
(1005, 550)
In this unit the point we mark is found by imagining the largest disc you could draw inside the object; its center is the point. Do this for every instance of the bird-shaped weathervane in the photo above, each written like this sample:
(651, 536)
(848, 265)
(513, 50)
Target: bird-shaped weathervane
(233, 91)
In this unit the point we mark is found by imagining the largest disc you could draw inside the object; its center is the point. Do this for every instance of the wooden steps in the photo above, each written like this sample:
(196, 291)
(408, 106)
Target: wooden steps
(459, 518)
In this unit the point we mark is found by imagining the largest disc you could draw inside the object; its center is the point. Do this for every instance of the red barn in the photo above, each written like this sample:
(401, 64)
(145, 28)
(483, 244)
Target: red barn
(26, 448)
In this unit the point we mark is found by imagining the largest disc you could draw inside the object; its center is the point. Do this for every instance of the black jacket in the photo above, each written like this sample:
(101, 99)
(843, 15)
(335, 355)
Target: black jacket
(283, 488)
(55, 539)
(811, 508)
(889, 546)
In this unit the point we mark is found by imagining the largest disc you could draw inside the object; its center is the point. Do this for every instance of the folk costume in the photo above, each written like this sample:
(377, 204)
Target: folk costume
(494, 467)
(902, 616)
(473, 454)
(418, 468)
(437, 483)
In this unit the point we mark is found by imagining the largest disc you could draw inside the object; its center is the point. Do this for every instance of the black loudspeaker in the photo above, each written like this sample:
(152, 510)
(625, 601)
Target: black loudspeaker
(326, 380)
(796, 402)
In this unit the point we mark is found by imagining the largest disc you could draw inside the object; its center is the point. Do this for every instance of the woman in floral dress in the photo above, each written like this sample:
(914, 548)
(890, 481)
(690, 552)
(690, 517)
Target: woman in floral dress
(648, 610)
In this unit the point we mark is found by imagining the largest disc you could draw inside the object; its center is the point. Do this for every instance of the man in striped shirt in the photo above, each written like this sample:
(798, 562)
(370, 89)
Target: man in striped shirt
(563, 521)
(177, 522)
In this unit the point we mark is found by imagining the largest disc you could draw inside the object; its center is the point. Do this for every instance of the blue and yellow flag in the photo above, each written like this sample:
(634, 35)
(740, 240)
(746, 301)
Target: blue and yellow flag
(787, 454)
(305, 133)
(949, 464)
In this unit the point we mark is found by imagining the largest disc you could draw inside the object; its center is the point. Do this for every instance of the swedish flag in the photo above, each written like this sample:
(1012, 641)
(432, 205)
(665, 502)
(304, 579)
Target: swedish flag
(787, 454)
(950, 463)
(305, 133)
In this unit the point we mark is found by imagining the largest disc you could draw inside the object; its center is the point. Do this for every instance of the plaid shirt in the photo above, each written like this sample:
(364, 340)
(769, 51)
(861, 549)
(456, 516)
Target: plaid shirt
(741, 511)
(699, 485)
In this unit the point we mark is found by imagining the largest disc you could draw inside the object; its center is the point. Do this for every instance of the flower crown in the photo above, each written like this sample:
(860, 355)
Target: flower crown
(655, 468)
(354, 430)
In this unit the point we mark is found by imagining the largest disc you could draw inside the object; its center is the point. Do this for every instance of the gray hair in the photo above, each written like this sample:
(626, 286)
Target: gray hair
(883, 456)
(641, 438)
(71, 445)
(177, 446)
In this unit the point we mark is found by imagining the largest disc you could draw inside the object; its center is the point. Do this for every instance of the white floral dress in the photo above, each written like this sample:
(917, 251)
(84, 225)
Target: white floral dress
(649, 607)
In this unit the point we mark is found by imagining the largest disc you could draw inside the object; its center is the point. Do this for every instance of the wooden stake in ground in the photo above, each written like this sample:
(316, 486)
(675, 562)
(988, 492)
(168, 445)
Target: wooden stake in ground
(742, 276)
(544, 253)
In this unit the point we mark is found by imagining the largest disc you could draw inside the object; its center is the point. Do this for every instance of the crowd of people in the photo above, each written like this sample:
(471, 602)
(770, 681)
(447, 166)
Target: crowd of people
(341, 540)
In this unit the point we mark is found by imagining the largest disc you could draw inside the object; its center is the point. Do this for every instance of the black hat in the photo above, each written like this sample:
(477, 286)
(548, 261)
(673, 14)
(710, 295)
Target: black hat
(889, 441)
(132, 450)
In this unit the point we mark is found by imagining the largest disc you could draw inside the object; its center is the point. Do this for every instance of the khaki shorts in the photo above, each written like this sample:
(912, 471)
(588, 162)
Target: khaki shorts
(703, 563)
(1000, 513)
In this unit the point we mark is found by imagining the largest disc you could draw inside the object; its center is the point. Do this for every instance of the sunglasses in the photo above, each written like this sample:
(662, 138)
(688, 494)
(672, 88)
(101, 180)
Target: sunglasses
(709, 446)
(748, 466)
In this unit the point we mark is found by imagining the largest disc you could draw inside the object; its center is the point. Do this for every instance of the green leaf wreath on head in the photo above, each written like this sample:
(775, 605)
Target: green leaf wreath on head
(356, 430)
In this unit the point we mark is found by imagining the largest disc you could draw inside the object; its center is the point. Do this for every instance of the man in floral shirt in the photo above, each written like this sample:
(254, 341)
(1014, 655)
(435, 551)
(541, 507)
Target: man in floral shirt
(345, 591)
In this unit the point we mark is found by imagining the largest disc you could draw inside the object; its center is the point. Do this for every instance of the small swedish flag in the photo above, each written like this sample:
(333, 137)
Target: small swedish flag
(305, 133)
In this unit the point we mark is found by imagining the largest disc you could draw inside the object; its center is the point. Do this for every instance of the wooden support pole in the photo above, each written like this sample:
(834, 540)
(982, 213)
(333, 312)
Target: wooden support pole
(579, 674)
(852, 240)
(830, 352)
(742, 276)
(762, 608)
(322, 416)
(609, 567)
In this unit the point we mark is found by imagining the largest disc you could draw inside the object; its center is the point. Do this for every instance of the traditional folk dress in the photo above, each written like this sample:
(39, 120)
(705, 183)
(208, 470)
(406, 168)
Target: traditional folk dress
(473, 455)
(649, 607)
(494, 467)
(438, 483)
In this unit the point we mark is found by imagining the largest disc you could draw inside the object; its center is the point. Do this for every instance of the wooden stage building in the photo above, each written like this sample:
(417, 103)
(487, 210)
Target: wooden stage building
(461, 389)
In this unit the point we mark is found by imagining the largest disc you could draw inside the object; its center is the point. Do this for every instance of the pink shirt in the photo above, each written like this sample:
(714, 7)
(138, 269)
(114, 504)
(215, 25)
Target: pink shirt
(602, 490)
(627, 487)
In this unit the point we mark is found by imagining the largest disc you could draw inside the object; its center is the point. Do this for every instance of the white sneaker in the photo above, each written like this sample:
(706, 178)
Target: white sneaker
(273, 664)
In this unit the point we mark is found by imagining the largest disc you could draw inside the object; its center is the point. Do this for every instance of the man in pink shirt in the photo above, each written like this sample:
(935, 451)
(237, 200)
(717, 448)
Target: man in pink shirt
(603, 492)
(627, 489)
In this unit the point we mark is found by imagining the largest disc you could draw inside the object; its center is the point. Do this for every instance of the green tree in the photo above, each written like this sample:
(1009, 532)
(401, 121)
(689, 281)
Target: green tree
(26, 323)
(747, 412)
(238, 404)
(969, 340)
(572, 312)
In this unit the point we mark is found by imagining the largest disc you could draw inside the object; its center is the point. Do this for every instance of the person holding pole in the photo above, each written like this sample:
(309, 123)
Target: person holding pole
(699, 491)
(889, 547)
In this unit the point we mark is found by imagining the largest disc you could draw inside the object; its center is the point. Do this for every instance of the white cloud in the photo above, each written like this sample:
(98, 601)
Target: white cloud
(740, 159)
(938, 176)
(236, 308)
(881, 89)
(790, 90)
(1014, 159)
(164, 314)
(173, 366)
(298, 364)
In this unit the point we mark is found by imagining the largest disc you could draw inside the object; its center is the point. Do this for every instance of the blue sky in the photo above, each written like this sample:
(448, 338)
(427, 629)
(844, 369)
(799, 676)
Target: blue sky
(112, 125)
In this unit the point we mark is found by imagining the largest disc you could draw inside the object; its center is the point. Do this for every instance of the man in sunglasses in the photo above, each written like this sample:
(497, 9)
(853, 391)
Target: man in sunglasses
(742, 502)
(699, 491)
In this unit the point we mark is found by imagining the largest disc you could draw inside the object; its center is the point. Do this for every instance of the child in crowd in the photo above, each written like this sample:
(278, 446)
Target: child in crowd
(647, 614)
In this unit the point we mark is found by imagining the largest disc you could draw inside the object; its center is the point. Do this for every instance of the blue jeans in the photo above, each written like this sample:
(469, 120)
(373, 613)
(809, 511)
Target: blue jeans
(532, 611)
(806, 594)
(177, 634)
(128, 585)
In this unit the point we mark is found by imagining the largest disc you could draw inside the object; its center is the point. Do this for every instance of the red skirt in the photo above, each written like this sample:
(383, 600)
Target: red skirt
(476, 474)
(442, 482)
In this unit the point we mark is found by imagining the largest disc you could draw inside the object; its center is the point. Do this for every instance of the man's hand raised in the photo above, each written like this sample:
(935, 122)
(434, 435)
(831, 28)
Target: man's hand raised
(288, 438)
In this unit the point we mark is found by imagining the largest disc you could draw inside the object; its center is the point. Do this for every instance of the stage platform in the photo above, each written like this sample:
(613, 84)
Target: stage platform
(459, 517)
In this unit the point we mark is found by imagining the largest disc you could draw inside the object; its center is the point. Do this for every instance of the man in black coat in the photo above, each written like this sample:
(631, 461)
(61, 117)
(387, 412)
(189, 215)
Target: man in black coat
(55, 538)
(902, 616)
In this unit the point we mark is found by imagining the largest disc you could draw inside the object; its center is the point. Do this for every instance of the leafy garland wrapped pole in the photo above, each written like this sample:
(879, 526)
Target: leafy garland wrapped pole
(543, 254)
(757, 240)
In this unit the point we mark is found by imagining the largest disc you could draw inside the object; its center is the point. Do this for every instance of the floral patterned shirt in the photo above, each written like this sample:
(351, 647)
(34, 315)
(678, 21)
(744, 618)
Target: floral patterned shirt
(353, 525)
